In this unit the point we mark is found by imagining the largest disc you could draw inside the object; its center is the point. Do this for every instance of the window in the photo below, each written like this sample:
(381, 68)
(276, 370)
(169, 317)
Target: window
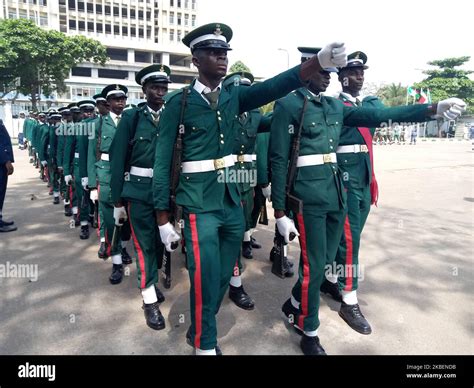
(171, 17)
(81, 71)
(142, 56)
(148, 15)
(82, 25)
(124, 12)
(171, 35)
(98, 8)
(107, 9)
(71, 4)
(108, 28)
(80, 6)
(100, 27)
(186, 4)
(124, 30)
(193, 23)
(115, 74)
(116, 11)
(179, 36)
(90, 8)
(132, 13)
(140, 32)
(172, 3)
(179, 3)
(72, 24)
(116, 29)
(179, 19)
(62, 2)
(193, 2)
(186, 20)
(133, 31)
(43, 20)
(140, 15)
(90, 26)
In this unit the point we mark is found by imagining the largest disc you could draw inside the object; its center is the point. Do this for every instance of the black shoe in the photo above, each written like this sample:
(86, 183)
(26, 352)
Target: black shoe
(159, 295)
(353, 316)
(67, 211)
(241, 298)
(102, 253)
(56, 201)
(311, 346)
(7, 228)
(77, 221)
(254, 243)
(331, 289)
(117, 274)
(190, 343)
(126, 259)
(6, 223)
(289, 263)
(84, 232)
(247, 249)
(153, 316)
(292, 313)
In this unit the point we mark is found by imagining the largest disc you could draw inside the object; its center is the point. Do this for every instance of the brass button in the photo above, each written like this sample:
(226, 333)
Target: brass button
(222, 135)
(219, 119)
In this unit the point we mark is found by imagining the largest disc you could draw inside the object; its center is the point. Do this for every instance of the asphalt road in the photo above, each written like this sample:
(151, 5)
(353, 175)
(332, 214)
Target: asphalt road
(417, 252)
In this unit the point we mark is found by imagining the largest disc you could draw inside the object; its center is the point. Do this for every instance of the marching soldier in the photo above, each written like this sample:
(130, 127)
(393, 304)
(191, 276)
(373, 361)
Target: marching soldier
(318, 182)
(213, 216)
(42, 139)
(100, 174)
(64, 189)
(133, 156)
(54, 177)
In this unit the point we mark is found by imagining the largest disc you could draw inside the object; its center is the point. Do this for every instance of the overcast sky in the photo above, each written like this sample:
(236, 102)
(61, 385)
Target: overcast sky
(399, 36)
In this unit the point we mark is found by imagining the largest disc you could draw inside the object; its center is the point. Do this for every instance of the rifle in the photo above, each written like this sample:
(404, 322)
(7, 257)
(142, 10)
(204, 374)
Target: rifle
(176, 210)
(263, 217)
(280, 265)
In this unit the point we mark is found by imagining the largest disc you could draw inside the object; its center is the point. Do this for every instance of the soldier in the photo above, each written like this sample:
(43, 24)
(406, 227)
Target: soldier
(213, 216)
(43, 150)
(54, 177)
(133, 155)
(100, 174)
(318, 182)
(64, 189)
(6, 169)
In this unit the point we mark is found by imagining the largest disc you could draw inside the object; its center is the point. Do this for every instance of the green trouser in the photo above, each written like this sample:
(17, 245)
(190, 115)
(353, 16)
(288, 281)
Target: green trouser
(320, 233)
(53, 176)
(347, 258)
(108, 221)
(258, 202)
(83, 205)
(147, 242)
(247, 206)
(212, 242)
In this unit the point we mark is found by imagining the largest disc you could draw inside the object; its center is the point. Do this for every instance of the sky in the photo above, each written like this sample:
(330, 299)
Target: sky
(399, 37)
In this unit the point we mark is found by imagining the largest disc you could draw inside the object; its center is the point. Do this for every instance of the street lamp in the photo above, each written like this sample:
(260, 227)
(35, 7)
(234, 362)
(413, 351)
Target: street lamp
(287, 57)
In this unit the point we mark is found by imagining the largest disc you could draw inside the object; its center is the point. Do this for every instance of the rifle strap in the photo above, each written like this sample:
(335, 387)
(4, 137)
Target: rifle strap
(184, 98)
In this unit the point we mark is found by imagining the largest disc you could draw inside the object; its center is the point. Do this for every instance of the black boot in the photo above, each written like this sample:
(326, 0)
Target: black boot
(56, 201)
(153, 316)
(353, 316)
(102, 253)
(247, 249)
(255, 244)
(159, 295)
(84, 232)
(331, 289)
(311, 346)
(126, 259)
(67, 211)
(117, 274)
(190, 342)
(292, 313)
(241, 298)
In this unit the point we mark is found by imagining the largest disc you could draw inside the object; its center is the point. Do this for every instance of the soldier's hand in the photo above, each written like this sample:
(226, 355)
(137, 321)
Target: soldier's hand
(285, 227)
(94, 195)
(44, 163)
(68, 179)
(333, 55)
(9, 167)
(85, 183)
(120, 215)
(450, 108)
(169, 236)
(267, 191)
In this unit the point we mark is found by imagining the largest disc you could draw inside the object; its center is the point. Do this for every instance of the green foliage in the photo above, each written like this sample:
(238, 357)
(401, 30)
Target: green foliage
(393, 94)
(239, 66)
(448, 81)
(41, 59)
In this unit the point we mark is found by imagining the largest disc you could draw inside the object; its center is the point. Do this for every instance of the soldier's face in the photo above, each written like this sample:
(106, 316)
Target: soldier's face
(117, 104)
(103, 108)
(211, 62)
(319, 81)
(352, 79)
(155, 93)
(87, 114)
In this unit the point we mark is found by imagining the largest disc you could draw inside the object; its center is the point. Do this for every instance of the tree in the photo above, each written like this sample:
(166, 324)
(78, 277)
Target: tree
(448, 81)
(239, 66)
(393, 94)
(34, 61)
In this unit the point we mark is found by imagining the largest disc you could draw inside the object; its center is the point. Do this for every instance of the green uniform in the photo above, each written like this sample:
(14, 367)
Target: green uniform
(139, 127)
(214, 223)
(263, 174)
(319, 186)
(356, 169)
(52, 160)
(60, 159)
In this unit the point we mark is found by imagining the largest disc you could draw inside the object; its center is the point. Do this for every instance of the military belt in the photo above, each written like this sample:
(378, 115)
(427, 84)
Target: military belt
(104, 157)
(352, 149)
(316, 159)
(142, 172)
(245, 158)
(208, 165)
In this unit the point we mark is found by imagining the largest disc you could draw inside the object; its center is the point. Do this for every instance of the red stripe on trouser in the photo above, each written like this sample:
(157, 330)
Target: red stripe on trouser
(107, 244)
(70, 196)
(305, 285)
(98, 215)
(348, 238)
(197, 281)
(141, 258)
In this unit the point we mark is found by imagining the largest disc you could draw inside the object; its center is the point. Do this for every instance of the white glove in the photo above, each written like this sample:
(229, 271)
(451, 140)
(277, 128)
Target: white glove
(168, 236)
(120, 215)
(450, 108)
(285, 227)
(333, 55)
(94, 195)
(68, 179)
(267, 191)
(44, 163)
(84, 182)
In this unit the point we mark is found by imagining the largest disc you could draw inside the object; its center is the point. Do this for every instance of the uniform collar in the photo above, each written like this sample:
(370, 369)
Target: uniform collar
(201, 88)
(354, 100)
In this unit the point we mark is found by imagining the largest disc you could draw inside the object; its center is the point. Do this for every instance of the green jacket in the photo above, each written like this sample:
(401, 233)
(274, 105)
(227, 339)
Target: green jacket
(356, 167)
(263, 173)
(320, 186)
(36, 135)
(53, 145)
(209, 134)
(43, 141)
(76, 144)
(143, 145)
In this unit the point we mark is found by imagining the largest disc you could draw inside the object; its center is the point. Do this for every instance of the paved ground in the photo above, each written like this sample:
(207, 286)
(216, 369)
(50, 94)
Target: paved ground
(417, 290)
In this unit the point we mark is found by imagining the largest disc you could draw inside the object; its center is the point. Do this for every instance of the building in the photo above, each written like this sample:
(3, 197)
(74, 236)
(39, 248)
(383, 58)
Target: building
(136, 33)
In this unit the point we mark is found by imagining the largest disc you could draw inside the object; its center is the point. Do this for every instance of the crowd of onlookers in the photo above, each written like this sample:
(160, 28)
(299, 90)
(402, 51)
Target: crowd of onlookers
(395, 135)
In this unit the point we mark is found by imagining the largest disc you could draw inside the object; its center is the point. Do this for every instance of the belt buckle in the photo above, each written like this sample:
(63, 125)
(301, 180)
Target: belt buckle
(219, 164)
(327, 158)
(364, 148)
(240, 158)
